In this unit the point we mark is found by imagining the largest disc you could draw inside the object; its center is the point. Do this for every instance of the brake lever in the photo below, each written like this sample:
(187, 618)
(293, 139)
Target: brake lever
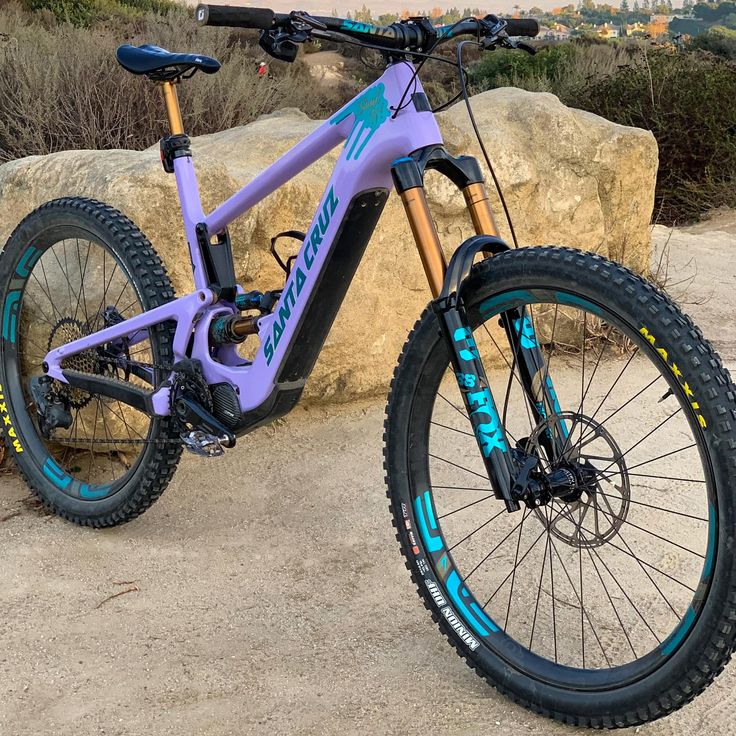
(308, 20)
(526, 47)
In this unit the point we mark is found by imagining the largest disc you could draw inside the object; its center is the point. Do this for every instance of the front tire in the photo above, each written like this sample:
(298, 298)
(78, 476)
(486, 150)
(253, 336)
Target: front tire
(622, 683)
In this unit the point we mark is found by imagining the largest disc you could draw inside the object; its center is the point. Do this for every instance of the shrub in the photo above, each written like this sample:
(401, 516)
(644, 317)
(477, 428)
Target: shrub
(62, 87)
(558, 68)
(718, 41)
(687, 100)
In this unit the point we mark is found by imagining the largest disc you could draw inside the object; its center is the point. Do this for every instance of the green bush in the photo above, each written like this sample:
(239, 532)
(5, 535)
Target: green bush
(687, 100)
(88, 12)
(558, 68)
(718, 41)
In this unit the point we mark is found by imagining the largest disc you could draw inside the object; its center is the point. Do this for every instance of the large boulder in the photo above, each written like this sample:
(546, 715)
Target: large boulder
(569, 178)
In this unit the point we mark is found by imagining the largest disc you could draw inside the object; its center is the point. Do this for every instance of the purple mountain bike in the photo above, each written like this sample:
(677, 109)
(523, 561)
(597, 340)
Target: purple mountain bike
(560, 439)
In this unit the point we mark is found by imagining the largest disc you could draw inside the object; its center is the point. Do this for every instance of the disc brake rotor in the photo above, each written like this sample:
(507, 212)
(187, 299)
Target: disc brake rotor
(596, 515)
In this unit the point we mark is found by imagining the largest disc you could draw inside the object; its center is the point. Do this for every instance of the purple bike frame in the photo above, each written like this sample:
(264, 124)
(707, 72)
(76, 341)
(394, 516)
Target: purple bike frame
(376, 137)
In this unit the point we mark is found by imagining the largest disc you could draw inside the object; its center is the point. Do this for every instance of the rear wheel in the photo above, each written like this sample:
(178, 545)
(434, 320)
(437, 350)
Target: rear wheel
(615, 605)
(72, 267)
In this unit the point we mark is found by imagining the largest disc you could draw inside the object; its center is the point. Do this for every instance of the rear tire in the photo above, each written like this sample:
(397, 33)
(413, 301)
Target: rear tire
(687, 661)
(140, 470)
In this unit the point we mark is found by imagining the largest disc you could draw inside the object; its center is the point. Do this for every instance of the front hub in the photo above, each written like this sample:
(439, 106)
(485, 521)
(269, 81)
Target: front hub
(585, 485)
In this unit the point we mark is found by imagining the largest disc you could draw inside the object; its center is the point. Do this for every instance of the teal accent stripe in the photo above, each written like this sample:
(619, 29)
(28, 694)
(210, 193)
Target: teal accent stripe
(56, 475)
(430, 510)
(27, 262)
(507, 300)
(433, 544)
(675, 639)
(10, 316)
(710, 555)
(577, 301)
(476, 618)
(91, 494)
(519, 297)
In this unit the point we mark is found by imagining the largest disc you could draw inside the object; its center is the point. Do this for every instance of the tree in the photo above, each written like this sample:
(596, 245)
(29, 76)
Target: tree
(363, 15)
(624, 7)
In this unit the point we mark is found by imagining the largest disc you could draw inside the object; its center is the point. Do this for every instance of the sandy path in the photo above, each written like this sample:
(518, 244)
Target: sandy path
(271, 597)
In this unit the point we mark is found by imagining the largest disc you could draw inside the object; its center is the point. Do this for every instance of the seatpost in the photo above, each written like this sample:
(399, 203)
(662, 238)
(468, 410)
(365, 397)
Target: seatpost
(172, 108)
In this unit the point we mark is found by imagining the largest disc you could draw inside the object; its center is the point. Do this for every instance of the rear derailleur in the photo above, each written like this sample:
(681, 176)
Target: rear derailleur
(191, 405)
(52, 407)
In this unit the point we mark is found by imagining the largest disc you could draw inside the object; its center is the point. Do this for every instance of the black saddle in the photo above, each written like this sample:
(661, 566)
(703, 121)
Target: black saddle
(161, 65)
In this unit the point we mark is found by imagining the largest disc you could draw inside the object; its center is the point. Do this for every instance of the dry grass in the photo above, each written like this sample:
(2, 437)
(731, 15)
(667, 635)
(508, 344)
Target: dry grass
(63, 89)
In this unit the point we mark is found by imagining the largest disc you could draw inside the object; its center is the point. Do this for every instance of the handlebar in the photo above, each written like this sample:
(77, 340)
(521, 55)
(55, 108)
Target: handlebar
(234, 17)
(528, 27)
(412, 35)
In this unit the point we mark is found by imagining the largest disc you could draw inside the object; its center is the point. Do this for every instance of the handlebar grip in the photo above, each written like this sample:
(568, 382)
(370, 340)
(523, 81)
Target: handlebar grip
(522, 27)
(235, 17)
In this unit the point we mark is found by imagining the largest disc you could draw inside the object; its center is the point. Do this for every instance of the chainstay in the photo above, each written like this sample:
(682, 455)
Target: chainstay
(130, 441)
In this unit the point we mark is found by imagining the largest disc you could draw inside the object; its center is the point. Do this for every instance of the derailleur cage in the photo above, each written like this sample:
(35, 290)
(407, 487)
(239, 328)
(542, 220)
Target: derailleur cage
(52, 408)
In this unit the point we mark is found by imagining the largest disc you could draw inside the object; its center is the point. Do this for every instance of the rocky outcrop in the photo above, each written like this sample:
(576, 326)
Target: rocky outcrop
(569, 177)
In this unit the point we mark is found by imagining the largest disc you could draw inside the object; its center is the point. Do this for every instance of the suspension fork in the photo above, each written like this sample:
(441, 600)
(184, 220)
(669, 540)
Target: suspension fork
(445, 284)
(519, 327)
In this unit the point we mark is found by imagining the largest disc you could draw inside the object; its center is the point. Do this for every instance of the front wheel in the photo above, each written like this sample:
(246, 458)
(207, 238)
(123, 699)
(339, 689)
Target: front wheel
(613, 605)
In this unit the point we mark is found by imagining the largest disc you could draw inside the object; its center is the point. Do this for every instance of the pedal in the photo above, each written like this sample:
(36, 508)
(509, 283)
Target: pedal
(202, 444)
(201, 421)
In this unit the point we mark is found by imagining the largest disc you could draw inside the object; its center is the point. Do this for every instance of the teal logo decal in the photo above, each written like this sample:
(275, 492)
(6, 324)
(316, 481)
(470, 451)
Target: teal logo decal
(370, 111)
(291, 292)
(525, 330)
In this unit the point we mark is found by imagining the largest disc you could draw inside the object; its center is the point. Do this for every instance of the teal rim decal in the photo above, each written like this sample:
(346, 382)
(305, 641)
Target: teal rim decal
(64, 482)
(517, 298)
(676, 637)
(474, 614)
(27, 262)
(56, 475)
(10, 315)
(432, 543)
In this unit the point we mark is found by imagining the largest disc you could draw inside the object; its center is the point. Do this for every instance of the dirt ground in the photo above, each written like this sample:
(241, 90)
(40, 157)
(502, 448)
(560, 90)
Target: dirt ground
(264, 593)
